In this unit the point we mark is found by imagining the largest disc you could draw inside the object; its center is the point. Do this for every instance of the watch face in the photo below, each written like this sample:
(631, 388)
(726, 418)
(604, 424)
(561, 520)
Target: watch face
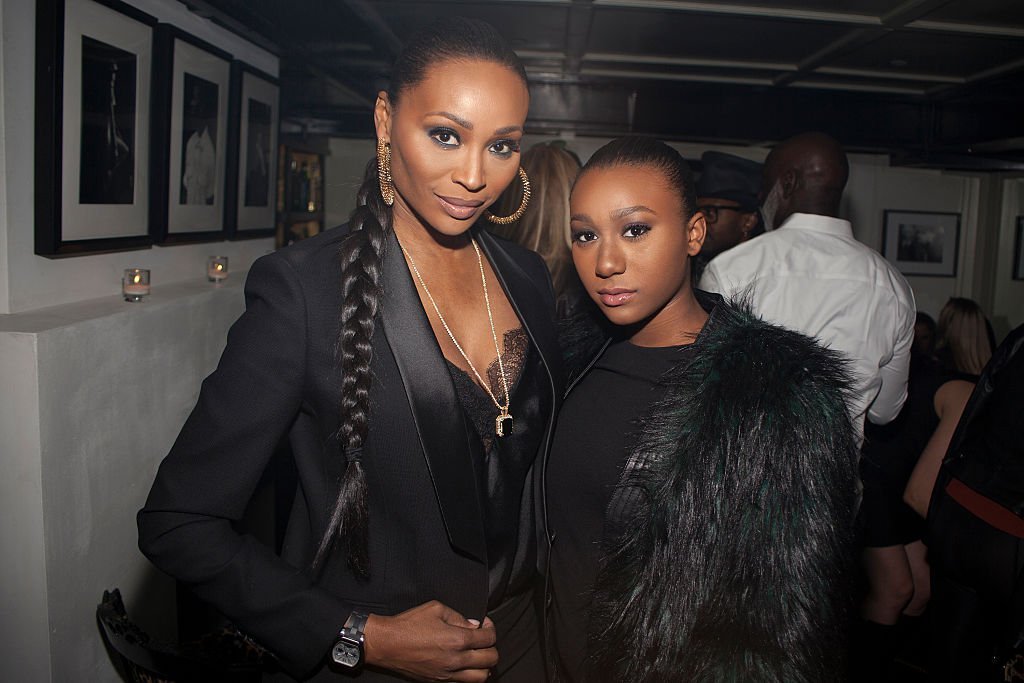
(346, 654)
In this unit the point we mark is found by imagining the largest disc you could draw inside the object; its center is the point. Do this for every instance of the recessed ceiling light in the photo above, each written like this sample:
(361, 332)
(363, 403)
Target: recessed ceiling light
(898, 63)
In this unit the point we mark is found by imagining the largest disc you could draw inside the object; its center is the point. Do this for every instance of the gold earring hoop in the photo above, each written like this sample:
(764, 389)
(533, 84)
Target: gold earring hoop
(505, 220)
(387, 187)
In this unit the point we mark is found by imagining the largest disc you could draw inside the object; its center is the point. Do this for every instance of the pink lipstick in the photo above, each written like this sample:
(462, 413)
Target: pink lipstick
(616, 296)
(459, 209)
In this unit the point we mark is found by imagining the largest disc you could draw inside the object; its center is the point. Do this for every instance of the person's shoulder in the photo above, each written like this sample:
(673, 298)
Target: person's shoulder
(738, 264)
(313, 261)
(887, 276)
(750, 347)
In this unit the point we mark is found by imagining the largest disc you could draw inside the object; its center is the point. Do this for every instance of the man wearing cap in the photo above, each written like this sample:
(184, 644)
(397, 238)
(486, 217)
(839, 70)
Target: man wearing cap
(727, 196)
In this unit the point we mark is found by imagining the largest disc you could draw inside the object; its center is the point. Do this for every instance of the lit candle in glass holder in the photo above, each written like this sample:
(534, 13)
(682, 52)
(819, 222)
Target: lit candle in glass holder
(135, 284)
(216, 268)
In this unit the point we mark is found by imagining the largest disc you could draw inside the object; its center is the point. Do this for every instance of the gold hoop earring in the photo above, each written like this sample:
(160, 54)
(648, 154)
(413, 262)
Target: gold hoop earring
(505, 220)
(387, 187)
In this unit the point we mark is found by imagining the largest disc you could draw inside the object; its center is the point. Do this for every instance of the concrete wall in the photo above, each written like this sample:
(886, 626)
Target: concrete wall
(94, 395)
(345, 165)
(93, 391)
(24, 610)
(33, 281)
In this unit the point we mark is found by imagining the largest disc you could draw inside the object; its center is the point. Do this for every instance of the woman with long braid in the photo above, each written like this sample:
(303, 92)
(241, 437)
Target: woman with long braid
(410, 358)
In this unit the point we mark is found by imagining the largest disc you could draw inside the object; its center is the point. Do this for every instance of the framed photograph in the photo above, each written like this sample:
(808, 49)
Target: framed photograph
(252, 168)
(93, 127)
(922, 243)
(1018, 250)
(190, 129)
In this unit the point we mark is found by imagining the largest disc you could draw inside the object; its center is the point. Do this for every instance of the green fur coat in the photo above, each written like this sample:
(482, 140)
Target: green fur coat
(729, 539)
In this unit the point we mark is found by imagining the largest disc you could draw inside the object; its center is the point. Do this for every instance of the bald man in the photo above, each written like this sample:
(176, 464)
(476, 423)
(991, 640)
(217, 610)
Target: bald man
(809, 274)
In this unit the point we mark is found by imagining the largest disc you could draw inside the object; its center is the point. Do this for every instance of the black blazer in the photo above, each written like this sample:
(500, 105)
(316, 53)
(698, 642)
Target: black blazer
(279, 376)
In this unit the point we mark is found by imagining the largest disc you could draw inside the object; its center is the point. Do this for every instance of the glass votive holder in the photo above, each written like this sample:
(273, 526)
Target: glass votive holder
(135, 284)
(216, 268)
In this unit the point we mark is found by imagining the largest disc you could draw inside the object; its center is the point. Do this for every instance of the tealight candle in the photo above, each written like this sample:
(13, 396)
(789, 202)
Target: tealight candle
(216, 268)
(135, 284)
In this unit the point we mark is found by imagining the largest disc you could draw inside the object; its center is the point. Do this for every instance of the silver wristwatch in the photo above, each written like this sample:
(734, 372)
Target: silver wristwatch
(348, 648)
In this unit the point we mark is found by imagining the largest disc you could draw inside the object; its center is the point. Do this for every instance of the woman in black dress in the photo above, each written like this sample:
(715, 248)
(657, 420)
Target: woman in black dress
(701, 482)
(411, 361)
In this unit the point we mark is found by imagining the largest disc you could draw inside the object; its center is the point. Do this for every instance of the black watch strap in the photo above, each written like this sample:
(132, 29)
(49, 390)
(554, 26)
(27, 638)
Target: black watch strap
(348, 648)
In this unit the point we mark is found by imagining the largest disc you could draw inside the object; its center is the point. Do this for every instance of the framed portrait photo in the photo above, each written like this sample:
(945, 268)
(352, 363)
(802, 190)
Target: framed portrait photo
(1018, 250)
(93, 126)
(190, 126)
(252, 168)
(922, 243)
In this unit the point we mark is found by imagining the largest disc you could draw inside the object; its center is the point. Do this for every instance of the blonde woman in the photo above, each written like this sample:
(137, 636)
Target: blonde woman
(544, 228)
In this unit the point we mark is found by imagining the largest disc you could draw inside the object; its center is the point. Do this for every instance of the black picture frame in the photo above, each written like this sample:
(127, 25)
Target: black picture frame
(93, 127)
(190, 138)
(922, 243)
(1018, 251)
(251, 197)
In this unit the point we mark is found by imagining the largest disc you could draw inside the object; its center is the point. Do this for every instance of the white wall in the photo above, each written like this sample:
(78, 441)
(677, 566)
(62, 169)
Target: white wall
(1008, 309)
(93, 391)
(34, 281)
(345, 165)
(24, 612)
(4, 270)
(94, 395)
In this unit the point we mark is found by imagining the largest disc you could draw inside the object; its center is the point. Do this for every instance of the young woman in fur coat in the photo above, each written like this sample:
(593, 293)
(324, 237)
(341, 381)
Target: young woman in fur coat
(701, 483)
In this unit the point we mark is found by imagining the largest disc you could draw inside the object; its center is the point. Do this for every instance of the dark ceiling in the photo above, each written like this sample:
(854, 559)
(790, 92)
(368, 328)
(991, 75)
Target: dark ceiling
(937, 83)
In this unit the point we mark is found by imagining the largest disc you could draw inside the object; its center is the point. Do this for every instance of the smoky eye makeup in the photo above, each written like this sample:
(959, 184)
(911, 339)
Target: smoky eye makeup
(635, 231)
(505, 148)
(444, 136)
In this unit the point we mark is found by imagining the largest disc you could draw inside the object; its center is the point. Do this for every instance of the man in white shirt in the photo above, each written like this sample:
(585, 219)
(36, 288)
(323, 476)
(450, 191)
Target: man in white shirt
(809, 274)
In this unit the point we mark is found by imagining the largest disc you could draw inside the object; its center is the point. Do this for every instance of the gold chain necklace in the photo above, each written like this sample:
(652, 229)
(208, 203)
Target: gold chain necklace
(503, 422)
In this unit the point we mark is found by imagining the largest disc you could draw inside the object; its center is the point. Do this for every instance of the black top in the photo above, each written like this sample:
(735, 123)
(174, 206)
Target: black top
(502, 463)
(596, 429)
(279, 376)
(891, 450)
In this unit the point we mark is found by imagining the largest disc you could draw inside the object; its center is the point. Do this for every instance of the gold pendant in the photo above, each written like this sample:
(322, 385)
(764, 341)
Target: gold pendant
(502, 423)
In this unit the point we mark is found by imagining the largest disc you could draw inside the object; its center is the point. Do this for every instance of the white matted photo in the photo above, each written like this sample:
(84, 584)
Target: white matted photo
(193, 142)
(252, 159)
(922, 243)
(94, 65)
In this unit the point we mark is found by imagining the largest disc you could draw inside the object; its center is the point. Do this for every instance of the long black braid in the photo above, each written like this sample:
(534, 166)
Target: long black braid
(362, 255)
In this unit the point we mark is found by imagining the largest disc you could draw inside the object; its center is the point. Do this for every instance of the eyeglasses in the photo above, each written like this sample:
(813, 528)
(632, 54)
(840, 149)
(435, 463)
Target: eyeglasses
(710, 211)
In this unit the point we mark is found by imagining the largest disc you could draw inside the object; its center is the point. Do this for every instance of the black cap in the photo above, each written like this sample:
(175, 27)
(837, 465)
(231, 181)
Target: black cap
(727, 176)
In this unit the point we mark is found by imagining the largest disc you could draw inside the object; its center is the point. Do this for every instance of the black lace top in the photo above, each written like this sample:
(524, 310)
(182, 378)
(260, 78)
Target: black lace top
(503, 464)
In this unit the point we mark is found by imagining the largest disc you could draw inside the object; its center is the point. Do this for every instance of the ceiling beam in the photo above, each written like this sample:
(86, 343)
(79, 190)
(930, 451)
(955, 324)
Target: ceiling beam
(380, 31)
(747, 11)
(854, 39)
(577, 34)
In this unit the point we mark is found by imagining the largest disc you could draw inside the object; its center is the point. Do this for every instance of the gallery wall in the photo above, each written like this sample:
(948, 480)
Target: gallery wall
(94, 390)
(29, 281)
